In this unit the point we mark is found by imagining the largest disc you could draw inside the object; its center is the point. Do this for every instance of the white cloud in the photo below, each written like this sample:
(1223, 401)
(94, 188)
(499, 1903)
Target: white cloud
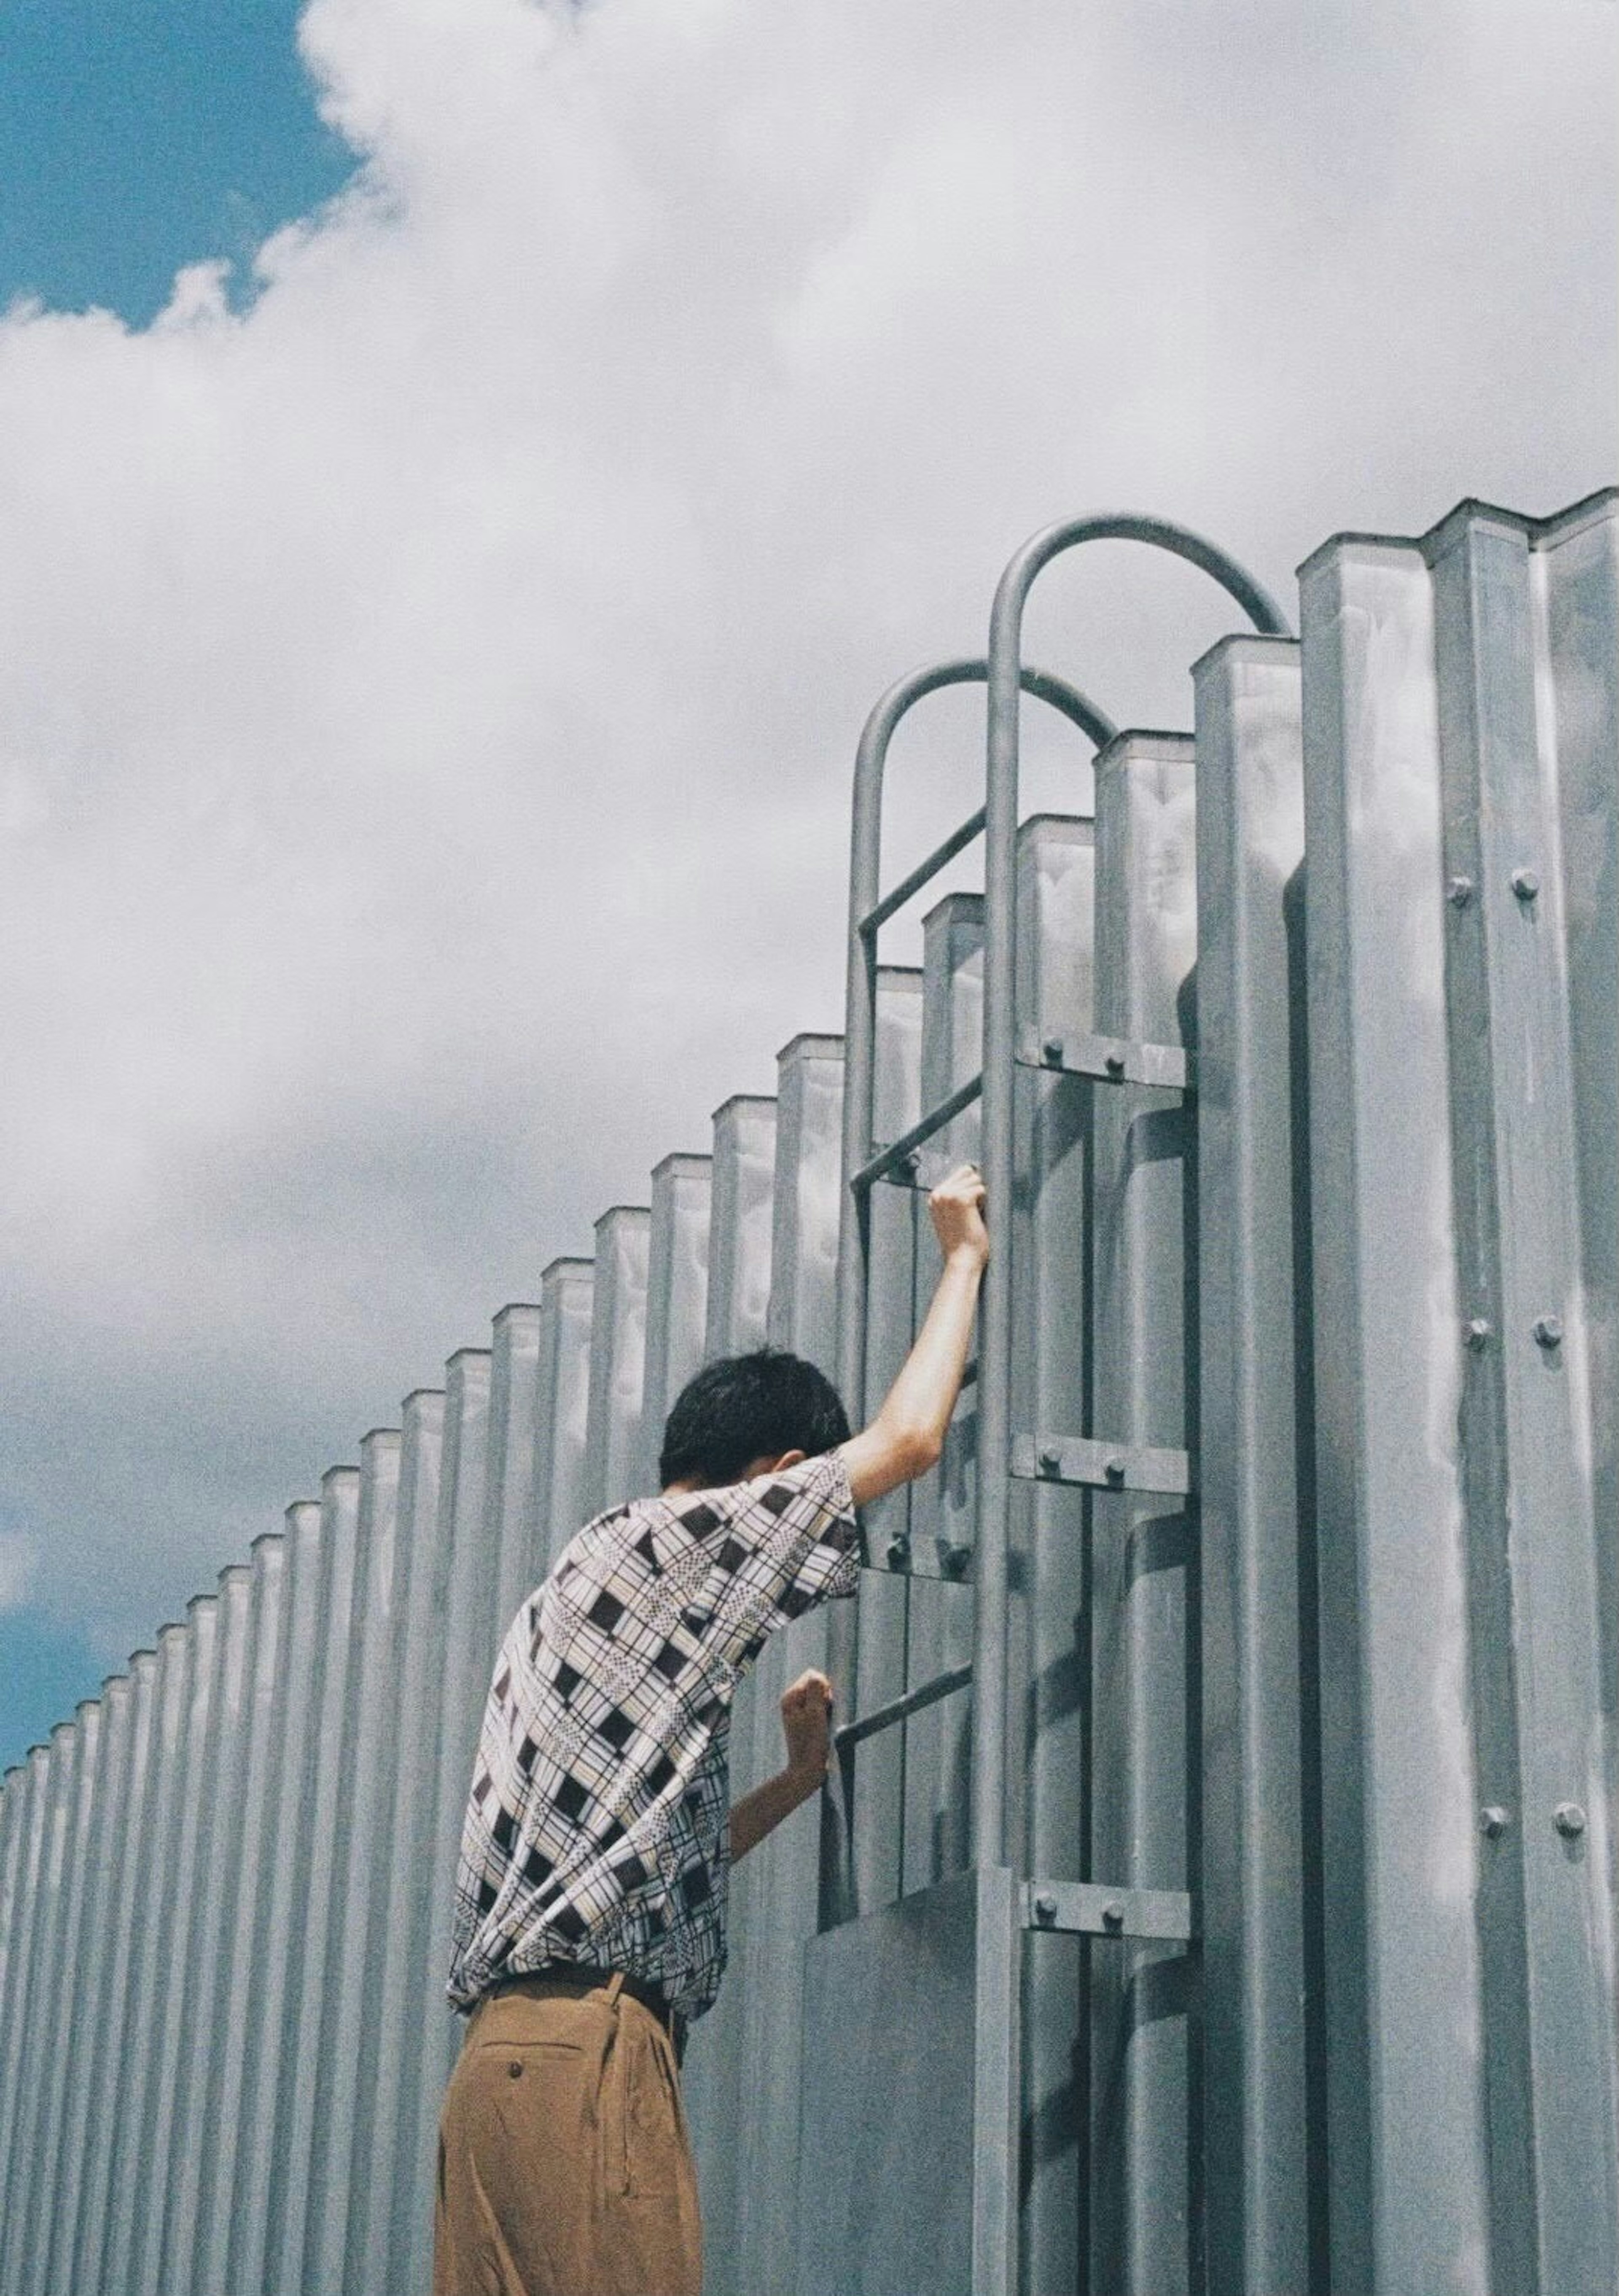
(426, 701)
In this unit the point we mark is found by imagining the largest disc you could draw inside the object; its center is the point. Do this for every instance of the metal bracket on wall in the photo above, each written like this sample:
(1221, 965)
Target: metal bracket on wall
(1103, 1466)
(1111, 1059)
(1093, 1909)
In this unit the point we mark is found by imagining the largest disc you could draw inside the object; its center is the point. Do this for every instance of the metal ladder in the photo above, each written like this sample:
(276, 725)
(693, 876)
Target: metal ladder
(1010, 1904)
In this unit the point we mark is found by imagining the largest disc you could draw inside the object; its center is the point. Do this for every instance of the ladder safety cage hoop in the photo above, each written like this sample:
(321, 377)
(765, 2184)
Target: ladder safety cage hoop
(987, 1818)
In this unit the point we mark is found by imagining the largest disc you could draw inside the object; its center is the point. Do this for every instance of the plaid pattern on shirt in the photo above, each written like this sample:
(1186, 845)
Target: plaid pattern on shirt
(597, 1830)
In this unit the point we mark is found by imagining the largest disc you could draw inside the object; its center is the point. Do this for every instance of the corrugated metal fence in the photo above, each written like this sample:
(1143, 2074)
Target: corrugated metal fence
(1217, 1889)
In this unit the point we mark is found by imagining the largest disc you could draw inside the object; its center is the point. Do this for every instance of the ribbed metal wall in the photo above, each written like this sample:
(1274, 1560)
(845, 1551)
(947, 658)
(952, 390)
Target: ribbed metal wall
(1314, 1166)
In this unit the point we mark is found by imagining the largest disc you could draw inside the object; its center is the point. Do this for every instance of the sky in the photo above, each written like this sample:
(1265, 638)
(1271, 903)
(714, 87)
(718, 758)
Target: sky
(467, 471)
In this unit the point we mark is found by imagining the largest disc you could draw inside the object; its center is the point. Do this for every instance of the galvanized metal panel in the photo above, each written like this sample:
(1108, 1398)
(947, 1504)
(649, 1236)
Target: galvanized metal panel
(1576, 575)
(1534, 1580)
(318, 1869)
(359, 1880)
(739, 1224)
(1144, 1566)
(89, 1972)
(184, 1855)
(104, 2082)
(468, 1633)
(245, 1849)
(24, 2228)
(271, 1969)
(1264, 2144)
(23, 1977)
(805, 1209)
(16, 1931)
(617, 1358)
(884, 1602)
(508, 1500)
(739, 1241)
(1048, 1654)
(677, 1296)
(397, 1978)
(562, 1414)
(907, 2169)
(212, 1912)
(939, 1628)
(767, 1949)
(1404, 2045)
(141, 2036)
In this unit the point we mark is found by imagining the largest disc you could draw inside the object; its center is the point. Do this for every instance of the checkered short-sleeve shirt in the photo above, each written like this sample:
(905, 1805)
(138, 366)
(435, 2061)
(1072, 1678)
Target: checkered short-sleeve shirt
(597, 1829)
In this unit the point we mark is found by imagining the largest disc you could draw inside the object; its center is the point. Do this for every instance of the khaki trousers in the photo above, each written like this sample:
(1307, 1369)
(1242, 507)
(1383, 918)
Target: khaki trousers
(564, 2159)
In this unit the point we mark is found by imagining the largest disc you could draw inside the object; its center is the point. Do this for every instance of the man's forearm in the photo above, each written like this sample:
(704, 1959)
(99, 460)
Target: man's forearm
(760, 1812)
(924, 1389)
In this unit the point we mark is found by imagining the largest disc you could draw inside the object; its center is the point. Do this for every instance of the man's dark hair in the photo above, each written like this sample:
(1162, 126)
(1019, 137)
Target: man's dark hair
(748, 1408)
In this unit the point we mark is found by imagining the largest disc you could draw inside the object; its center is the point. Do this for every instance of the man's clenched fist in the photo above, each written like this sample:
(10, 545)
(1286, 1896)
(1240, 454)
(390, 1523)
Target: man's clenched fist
(806, 1708)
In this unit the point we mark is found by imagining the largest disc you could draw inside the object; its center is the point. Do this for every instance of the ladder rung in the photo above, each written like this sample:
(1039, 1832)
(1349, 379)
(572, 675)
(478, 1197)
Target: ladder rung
(1102, 1466)
(898, 1709)
(1093, 1909)
(897, 1161)
(1111, 1059)
(879, 916)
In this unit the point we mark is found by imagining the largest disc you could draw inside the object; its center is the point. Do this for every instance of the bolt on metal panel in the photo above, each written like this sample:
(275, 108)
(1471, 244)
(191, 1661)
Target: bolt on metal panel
(739, 1241)
(1533, 1576)
(561, 1422)
(767, 1956)
(1142, 1564)
(879, 1627)
(246, 1840)
(470, 1640)
(1404, 2043)
(508, 1500)
(1045, 1229)
(362, 1847)
(618, 1358)
(140, 2038)
(399, 1981)
(24, 2227)
(1263, 2138)
(318, 1882)
(184, 1854)
(938, 1626)
(193, 2125)
(89, 1960)
(677, 1296)
(278, 1913)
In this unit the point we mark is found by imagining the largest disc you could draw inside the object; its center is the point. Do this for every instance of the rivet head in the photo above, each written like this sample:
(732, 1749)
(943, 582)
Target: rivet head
(1050, 1052)
(515, 2070)
(1478, 1334)
(1115, 1470)
(1114, 1062)
(1050, 1462)
(1459, 893)
(899, 1554)
(1549, 1331)
(1569, 1819)
(1525, 885)
(1113, 1913)
(956, 1560)
(1492, 1820)
(909, 1163)
(1045, 1906)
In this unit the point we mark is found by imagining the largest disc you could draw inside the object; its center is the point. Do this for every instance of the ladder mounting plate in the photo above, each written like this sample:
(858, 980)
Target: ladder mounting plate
(1102, 1466)
(1093, 1909)
(1111, 1059)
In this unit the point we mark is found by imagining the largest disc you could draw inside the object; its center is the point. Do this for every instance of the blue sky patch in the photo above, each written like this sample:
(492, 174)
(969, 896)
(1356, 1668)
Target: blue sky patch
(141, 135)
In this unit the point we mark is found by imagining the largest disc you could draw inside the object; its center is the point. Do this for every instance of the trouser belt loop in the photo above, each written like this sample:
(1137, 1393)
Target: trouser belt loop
(615, 1988)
